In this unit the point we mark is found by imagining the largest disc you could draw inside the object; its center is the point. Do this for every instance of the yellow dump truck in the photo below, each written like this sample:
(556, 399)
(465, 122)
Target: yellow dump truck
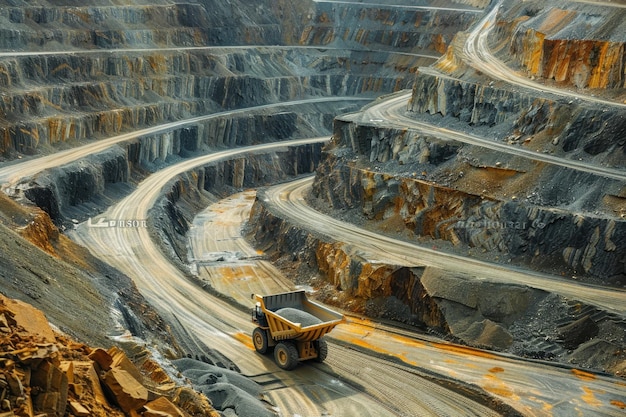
(294, 326)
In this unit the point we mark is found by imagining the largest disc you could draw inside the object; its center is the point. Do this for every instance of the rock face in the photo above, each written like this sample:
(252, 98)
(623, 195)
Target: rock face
(509, 318)
(539, 199)
(56, 99)
(547, 42)
(467, 205)
(538, 212)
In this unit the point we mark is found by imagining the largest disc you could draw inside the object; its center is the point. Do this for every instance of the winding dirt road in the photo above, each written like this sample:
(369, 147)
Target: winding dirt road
(371, 370)
(476, 53)
(534, 389)
(311, 390)
(526, 386)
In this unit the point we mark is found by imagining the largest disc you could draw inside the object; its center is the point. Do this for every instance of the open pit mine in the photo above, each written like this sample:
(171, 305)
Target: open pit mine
(445, 179)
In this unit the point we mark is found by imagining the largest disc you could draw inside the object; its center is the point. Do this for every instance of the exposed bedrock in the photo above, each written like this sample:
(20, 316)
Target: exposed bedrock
(374, 25)
(83, 25)
(511, 318)
(423, 187)
(191, 192)
(238, 22)
(84, 188)
(120, 92)
(572, 44)
(63, 98)
(556, 126)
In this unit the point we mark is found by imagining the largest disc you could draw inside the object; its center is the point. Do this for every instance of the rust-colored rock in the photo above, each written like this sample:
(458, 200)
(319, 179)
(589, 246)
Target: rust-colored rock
(162, 407)
(120, 360)
(32, 321)
(102, 358)
(78, 410)
(127, 392)
(52, 382)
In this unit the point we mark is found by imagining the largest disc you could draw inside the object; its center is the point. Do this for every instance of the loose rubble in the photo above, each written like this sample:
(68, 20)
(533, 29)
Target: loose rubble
(45, 374)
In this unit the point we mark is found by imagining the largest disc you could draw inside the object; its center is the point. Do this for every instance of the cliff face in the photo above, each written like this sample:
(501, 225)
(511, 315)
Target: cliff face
(580, 46)
(504, 317)
(565, 128)
(84, 188)
(467, 205)
(403, 29)
(59, 99)
(541, 212)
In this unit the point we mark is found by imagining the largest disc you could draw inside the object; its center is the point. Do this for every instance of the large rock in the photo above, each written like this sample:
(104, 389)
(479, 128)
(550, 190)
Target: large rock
(162, 407)
(127, 392)
(498, 302)
(52, 383)
(33, 321)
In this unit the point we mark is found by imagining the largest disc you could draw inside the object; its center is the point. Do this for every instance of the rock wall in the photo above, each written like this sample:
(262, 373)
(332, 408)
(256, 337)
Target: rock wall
(510, 318)
(581, 46)
(383, 27)
(358, 285)
(84, 188)
(192, 192)
(118, 93)
(423, 187)
(564, 128)
(57, 99)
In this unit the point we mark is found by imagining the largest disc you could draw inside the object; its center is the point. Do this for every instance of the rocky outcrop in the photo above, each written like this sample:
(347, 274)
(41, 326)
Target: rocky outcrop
(509, 318)
(43, 373)
(578, 46)
(431, 188)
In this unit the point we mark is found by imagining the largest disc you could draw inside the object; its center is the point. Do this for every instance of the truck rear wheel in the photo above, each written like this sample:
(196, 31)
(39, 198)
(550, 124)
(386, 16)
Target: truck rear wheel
(286, 355)
(260, 340)
(322, 350)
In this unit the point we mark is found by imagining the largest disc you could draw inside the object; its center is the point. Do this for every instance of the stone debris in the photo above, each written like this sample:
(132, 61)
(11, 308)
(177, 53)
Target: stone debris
(42, 374)
(295, 315)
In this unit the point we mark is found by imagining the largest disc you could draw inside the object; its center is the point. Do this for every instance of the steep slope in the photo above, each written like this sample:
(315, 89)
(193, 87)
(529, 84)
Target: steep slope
(506, 152)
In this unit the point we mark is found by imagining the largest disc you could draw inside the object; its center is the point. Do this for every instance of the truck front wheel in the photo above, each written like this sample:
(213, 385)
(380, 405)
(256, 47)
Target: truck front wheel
(260, 341)
(286, 355)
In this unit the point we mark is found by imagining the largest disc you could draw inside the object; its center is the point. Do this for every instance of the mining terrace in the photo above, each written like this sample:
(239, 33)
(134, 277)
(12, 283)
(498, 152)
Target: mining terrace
(449, 174)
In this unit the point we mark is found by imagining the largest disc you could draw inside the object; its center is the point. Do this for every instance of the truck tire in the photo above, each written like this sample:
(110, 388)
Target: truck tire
(260, 340)
(286, 355)
(322, 350)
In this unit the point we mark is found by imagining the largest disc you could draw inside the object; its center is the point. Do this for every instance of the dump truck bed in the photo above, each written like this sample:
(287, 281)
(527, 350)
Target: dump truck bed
(293, 316)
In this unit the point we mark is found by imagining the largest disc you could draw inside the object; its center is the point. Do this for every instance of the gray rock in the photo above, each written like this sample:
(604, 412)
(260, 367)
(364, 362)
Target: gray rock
(295, 315)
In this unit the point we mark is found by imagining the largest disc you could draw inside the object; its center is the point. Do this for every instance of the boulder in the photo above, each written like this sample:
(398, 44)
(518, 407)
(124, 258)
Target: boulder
(102, 358)
(125, 390)
(120, 360)
(53, 385)
(87, 374)
(162, 407)
(33, 321)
